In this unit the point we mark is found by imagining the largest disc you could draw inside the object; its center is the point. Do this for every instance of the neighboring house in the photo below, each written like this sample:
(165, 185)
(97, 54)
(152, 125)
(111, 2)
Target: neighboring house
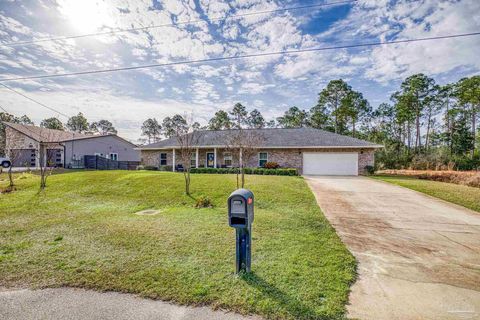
(62, 148)
(311, 151)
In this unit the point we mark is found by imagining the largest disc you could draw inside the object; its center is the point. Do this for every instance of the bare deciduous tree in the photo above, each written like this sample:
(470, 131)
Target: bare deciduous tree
(49, 140)
(13, 157)
(243, 144)
(188, 137)
(12, 152)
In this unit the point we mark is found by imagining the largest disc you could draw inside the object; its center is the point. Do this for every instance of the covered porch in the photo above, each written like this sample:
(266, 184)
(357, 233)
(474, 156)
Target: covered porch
(202, 158)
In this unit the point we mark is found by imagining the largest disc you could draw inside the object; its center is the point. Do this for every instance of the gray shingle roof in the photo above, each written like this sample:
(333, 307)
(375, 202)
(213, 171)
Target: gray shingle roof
(44, 134)
(275, 138)
(55, 136)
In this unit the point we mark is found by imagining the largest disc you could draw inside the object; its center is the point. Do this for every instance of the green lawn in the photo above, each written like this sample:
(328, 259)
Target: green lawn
(81, 232)
(468, 197)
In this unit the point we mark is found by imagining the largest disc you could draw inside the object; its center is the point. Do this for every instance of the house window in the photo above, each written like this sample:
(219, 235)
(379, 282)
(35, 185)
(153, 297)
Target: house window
(193, 160)
(227, 158)
(163, 159)
(114, 156)
(262, 159)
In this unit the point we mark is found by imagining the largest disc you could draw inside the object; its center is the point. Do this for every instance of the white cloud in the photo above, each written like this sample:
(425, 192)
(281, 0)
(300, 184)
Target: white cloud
(427, 18)
(101, 104)
(269, 83)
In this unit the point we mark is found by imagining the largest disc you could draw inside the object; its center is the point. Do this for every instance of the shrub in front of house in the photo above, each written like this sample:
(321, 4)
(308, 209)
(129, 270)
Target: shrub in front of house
(165, 168)
(150, 168)
(369, 170)
(258, 171)
(271, 165)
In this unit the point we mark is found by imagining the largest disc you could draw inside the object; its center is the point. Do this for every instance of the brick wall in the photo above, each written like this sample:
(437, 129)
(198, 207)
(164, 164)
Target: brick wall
(365, 158)
(287, 158)
(152, 157)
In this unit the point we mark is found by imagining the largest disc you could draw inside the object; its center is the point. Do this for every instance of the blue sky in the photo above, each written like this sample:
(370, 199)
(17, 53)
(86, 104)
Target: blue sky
(270, 84)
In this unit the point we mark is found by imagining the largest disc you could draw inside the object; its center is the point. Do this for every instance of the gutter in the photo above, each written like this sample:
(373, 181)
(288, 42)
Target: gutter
(376, 146)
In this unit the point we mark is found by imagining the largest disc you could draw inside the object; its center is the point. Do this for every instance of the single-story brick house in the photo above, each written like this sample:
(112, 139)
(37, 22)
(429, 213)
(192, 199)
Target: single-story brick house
(63, 148)
(311, 151)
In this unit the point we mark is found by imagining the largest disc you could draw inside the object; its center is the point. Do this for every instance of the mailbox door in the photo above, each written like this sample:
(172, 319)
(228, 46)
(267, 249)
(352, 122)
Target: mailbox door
(238, 215)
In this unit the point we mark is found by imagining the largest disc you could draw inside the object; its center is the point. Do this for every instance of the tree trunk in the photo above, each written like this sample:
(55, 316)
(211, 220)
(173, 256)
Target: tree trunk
(335, 112)
(238, 172)
(417, 132)
(43, 180)
(243, 177)
(449, 130)
(186, 174)
(43, 166)
(409, 135)
(427, 137)
(10, 178)
(474, 116)
(241, 169)
(353, 129)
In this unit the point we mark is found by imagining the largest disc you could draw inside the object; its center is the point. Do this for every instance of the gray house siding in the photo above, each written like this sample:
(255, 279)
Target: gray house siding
(104, 145)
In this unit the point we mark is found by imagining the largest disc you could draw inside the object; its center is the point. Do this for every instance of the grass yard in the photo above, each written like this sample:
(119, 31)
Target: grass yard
(82, 232)
(468, 197)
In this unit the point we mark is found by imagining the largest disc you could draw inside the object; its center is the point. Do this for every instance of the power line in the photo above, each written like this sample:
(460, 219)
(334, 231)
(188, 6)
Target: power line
(18, 43)
(33, 100)
(285, 52)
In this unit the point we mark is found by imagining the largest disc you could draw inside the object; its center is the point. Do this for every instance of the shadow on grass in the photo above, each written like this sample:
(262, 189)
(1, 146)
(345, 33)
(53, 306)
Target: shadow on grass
(292, 305)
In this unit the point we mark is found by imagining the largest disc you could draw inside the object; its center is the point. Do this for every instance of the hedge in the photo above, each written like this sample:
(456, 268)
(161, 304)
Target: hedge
(154, 168)
(260, 171)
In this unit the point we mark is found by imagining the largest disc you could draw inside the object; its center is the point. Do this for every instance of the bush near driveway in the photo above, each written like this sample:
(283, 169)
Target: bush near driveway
(81, 231)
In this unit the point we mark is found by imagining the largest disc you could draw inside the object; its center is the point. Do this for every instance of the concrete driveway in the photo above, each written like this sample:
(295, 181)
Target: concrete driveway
(419, 257)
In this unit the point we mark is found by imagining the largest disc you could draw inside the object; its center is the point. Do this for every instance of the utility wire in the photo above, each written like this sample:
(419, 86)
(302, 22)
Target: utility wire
(33, 100)
(18, 43)
(286, 52)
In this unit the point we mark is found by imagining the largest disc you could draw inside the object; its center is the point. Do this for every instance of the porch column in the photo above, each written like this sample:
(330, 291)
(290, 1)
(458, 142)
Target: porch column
(196, 158)
(173, 161)
(214, 157)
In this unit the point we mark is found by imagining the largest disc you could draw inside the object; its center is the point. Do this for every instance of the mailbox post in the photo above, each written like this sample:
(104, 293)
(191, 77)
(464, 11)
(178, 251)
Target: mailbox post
(240, 217)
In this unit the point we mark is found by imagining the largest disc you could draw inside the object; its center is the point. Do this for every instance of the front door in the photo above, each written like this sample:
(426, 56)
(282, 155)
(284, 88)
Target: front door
(210, 159)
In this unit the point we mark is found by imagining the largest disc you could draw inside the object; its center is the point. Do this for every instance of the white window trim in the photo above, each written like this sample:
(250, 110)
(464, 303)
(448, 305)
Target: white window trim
(166, 157)
(229, 155)
(266, 160)
(110, 156)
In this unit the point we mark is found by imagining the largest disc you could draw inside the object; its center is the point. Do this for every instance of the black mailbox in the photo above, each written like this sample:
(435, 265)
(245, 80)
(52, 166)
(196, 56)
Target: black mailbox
(240, 208)
(240, 217)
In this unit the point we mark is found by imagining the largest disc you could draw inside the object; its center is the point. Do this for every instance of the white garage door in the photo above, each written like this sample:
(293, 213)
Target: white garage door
(330, 163)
